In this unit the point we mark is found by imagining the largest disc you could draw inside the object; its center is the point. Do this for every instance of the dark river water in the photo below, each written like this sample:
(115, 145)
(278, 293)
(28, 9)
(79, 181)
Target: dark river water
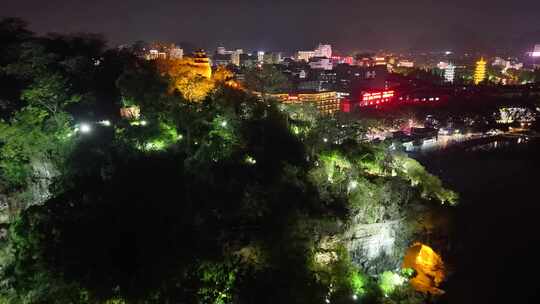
(495, 232)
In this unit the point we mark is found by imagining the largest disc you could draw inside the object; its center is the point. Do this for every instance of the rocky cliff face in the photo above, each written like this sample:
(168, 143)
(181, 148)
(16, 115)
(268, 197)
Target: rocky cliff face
(381, 246)
(376, 247)
(36, 192)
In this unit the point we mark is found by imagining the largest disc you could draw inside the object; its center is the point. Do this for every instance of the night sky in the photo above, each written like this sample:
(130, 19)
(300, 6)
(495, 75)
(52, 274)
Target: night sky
(290, 25)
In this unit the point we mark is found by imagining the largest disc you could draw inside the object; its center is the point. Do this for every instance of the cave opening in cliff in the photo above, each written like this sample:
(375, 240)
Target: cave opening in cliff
(429, 267)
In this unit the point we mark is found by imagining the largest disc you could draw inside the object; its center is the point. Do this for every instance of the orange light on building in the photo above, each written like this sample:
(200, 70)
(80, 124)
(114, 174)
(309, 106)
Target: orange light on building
(325, 102)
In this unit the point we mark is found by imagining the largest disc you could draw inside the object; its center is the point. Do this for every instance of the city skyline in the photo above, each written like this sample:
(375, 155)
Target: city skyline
(349, 26)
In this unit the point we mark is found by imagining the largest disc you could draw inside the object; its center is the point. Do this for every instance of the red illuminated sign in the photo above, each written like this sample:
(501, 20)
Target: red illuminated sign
(375, 98)
(347, 59)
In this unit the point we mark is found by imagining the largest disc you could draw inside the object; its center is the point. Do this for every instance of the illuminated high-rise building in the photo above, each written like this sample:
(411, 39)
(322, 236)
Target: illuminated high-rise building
(260, 56)
(235, 56)
(480, 71)
(449, 72)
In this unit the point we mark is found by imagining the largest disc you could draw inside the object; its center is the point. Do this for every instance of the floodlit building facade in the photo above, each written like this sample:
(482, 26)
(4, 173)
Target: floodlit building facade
(321, 63)
(305, 55)
(325, 102)
(260, 56)
(405, 64)
(176, 53)
(155, 54)
(323, 50)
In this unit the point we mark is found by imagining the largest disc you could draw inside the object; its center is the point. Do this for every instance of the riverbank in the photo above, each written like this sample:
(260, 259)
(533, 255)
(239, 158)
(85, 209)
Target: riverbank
(495, 227)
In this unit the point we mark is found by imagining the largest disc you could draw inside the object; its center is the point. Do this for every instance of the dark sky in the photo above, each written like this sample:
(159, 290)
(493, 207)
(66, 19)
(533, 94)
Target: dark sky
(289, 25)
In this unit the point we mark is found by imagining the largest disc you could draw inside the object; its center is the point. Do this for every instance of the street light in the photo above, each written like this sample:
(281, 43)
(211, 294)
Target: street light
(85, 128)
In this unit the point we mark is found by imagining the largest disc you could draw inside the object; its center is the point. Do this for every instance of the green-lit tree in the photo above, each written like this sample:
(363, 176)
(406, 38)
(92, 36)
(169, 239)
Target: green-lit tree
(229, 200)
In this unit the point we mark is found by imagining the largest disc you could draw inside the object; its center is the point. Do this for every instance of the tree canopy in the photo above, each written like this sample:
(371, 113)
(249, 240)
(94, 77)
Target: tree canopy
(226, 200)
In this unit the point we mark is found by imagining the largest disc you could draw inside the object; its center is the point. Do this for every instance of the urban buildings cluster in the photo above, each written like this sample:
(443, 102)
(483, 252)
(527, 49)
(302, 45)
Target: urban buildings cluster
(329, 80)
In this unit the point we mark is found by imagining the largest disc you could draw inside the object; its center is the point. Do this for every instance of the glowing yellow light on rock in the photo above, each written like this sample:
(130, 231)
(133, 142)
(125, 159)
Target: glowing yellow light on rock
(480, 71)
(429, 268)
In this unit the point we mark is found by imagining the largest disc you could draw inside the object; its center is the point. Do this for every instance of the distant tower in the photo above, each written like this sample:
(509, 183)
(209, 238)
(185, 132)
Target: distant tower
(480, 71)
(449, 72)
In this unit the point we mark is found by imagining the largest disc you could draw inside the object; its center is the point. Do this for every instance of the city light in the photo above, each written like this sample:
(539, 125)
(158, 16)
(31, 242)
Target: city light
(377, 97)
(536, 51)
(85, 128)
(352, 185)
(449, 72)
(480, 71)
(106, 123)
(227, 209)
(250, 160)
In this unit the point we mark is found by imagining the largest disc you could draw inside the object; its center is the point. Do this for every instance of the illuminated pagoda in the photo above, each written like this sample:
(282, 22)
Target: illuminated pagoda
(480, 71)
(200, 63)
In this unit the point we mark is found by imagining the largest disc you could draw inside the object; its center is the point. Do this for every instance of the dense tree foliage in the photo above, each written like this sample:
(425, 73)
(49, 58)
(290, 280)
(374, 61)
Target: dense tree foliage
(266, 79)
(222, 201)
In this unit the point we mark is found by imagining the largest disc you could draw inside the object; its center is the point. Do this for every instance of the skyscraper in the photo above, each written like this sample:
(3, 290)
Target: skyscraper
(480, 71)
